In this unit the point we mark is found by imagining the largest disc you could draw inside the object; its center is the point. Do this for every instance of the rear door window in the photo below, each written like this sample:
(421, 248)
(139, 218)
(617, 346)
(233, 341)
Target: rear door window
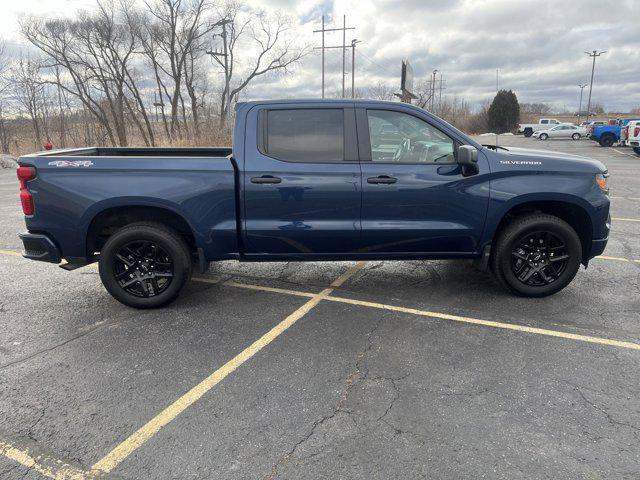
(305, 135)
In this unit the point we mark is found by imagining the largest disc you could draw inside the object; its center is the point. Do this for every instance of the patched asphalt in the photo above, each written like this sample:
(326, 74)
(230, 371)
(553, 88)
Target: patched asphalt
(348, 391)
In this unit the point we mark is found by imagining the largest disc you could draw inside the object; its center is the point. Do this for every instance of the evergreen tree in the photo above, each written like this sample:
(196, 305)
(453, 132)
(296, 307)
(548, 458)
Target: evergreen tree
(504, 112)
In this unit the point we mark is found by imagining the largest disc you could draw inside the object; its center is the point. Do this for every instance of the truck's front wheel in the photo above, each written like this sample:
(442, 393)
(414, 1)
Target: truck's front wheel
(145, 265)
(536, 255)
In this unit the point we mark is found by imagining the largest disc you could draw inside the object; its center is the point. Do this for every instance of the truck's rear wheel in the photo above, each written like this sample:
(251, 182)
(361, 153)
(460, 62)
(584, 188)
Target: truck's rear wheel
(528, 132)
(607, 140)
(145, 265)
(537, 255)
(637, 150)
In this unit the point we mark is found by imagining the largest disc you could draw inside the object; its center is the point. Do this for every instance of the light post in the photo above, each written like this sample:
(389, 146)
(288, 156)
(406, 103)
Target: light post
(580, 107)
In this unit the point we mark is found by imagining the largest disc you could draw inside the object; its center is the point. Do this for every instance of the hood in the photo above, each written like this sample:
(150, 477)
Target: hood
(530, 154)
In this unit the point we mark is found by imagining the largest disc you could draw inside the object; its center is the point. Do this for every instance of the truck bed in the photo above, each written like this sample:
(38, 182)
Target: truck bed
(216, 152)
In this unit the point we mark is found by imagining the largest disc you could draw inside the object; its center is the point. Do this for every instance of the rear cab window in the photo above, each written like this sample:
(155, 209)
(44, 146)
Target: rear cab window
(303, 134)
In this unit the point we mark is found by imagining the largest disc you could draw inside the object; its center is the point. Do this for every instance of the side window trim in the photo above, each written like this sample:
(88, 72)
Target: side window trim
(349, 132)
(363, 119)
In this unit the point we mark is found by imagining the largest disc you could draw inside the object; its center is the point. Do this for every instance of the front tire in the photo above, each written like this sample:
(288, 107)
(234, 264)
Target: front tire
(536, 255)
(145, 265)
(543, 136)
(575, 136)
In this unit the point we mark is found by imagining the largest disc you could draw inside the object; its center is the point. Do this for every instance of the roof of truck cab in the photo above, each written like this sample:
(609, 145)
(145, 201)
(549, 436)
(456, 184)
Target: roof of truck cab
(323, 100)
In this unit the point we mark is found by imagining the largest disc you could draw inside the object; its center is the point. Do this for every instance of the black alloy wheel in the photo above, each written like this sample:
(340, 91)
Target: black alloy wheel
(143, 269)
(539, 258)
(145, 265)
(536, 255)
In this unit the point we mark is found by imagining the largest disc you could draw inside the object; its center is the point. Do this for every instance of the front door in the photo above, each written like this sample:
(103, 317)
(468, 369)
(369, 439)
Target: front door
(302, 183)
(415, 198)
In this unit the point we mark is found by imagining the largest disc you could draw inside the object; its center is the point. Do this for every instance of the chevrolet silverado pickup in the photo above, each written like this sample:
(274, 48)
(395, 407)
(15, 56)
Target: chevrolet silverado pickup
(310, 181)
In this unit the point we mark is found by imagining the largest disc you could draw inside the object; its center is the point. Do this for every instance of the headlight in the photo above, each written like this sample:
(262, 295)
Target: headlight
(602, 179)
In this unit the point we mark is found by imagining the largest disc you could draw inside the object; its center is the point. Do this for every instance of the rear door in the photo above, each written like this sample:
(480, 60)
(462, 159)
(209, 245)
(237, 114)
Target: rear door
(302, 182)
(415, 199)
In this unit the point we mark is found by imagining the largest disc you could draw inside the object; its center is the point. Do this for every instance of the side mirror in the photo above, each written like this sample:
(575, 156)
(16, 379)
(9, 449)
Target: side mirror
(468, 160)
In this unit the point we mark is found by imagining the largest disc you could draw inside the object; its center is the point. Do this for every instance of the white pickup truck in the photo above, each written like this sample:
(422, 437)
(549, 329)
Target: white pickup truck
(633, 140)
(543, 124)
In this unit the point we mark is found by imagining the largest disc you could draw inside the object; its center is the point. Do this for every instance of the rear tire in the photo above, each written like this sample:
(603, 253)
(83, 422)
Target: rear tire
(145, 265)
(637, 150)
(607, 140)
(528, 132)
(536, 255)
(576, 136)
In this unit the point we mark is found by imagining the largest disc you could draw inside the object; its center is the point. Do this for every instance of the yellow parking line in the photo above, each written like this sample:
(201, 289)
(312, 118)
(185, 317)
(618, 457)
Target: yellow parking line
(617, 259)
(475, 321)
(489, 323)
(143, 434)
(10, 252)
(619, 219)
(43, 464)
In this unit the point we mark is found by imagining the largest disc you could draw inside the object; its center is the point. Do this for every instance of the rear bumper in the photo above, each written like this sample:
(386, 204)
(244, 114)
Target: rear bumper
(38, 246)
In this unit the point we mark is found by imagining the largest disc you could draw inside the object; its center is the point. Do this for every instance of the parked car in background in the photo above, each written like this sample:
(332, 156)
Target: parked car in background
(608, 135)
(561, 131)
(528, 128)
(634, 136)
(584, 113)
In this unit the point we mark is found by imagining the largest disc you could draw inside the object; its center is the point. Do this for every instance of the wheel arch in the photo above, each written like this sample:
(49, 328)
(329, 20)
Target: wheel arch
(106, 221)
(570, 211)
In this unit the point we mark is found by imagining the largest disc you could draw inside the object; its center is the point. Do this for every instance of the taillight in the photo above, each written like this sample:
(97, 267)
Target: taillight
(636, 132)
(24, 175)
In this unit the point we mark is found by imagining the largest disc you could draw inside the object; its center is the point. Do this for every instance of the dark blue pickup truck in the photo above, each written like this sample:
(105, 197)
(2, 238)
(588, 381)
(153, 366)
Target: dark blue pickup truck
(315, 180)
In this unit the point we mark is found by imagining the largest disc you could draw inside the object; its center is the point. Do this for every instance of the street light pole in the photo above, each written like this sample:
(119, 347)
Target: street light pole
(593, 54)
(580, 107)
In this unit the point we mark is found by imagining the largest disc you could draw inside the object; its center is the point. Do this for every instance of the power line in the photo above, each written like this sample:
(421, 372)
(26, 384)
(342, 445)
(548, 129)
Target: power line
(344, 47)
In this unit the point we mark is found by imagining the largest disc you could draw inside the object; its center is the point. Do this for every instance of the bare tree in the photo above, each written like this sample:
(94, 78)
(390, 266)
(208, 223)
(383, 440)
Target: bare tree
(28, 88)
(172, 34)
(274, 51)
(379, 91)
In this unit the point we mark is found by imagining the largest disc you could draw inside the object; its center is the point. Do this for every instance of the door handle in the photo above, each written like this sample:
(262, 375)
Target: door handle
(384, 179)
(266, 179)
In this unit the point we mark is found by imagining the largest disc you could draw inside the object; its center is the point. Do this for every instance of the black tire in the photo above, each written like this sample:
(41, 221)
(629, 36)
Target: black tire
(543, 136)
(528, 132)
(153, 282)
(576, 136)
(607, 140)
(507, 254)
(637, 150)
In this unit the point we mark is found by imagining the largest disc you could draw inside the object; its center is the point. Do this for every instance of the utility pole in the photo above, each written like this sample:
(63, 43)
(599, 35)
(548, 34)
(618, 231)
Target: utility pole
(433, 90)
(353, 67)
(225, 64)
(580, 107)
(344, 47)
(440, 94)
(593, 54)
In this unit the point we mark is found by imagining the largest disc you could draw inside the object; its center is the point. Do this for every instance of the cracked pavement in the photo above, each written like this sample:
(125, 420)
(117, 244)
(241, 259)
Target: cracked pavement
(348, 391)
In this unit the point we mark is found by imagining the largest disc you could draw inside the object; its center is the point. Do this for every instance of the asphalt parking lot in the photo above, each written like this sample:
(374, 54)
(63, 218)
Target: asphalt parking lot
(377, 370)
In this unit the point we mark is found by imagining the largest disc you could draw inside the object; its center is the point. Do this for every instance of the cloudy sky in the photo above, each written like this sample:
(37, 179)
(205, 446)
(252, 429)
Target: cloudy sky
(537, 46)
